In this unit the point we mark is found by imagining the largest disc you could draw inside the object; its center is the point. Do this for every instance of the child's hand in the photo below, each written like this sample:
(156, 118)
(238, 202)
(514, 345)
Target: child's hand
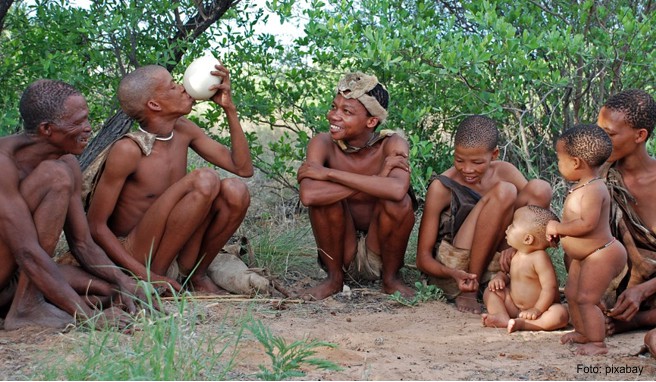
(552, 232)
(497, 283)
(530, 314)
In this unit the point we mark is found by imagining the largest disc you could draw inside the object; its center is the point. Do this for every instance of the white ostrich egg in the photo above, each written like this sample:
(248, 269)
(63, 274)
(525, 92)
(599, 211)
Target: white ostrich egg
(198, 79)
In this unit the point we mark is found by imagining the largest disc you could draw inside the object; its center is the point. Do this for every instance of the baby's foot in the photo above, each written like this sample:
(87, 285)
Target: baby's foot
(493, 321)
(573, 337)
(515, 325)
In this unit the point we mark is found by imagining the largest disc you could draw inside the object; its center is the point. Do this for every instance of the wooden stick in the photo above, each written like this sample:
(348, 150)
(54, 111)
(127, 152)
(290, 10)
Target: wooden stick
(234, 298)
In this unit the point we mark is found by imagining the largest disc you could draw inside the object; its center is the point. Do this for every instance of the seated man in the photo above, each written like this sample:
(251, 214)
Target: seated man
(466, 211)
(356, 183)
(146, 210)
(40, 197)
(629, 118)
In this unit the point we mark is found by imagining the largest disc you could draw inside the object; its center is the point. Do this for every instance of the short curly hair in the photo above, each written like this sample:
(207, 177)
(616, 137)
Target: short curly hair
(538, 219)
(43, 101)
(588, 142)
(477, 131)
(136, 88)
(638, 106)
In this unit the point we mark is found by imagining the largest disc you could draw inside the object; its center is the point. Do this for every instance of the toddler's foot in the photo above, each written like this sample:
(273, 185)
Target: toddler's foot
(592, 348)
(650, 342)
(573, 337)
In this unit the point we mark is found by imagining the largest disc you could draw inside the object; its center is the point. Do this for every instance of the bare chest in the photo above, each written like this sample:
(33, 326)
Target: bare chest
(643, 190)
(366, 162)
(158, 171)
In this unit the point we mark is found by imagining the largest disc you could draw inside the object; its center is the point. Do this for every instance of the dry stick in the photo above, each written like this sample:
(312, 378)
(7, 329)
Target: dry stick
(280, 288)
(232, 298)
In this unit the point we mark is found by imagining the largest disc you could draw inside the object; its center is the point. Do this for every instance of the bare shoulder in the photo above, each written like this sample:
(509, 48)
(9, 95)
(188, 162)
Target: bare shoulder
(124, 154)
(395, 143)
(541, 259)
(320, 144)
(184, 127)
(437, 192)
(72, 162)
(9, 168)
(507, 172)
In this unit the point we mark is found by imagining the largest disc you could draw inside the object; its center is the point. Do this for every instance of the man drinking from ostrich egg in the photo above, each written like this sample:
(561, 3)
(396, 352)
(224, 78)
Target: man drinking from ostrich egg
(146, 211)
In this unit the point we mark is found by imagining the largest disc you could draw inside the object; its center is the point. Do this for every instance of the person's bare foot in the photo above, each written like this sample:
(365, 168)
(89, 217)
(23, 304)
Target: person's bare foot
(205, 286)
(467, 303)
(573, 337)
(592, 348)
(614, 326)
(650, 342)
(398, 285)
(493, 321)
(325, 288)
(515, 325)
(40, 314)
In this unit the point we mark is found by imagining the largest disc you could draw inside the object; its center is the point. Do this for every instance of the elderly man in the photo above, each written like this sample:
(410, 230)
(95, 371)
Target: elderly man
(40, 197)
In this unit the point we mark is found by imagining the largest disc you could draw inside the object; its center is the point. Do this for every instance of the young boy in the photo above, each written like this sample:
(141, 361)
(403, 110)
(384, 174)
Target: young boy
(356, 183)
(475, 198)
(526, 298)
(596, 256)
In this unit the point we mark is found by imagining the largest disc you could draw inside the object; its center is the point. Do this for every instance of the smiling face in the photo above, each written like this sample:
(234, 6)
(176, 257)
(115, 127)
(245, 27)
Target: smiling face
(624, 137)
(71, 131)
(473, 162)
(350, 121)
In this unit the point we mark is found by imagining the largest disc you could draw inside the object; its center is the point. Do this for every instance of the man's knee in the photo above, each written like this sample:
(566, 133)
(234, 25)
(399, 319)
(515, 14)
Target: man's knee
(503, 194)
(56, 176)
(206, 182)
(235, 192)
(397, 209)
(538, 192)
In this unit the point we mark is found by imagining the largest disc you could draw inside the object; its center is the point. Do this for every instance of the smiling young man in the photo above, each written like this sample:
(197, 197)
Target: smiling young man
(467, 210)
(39, 197)
(147, 212)
(356, 182)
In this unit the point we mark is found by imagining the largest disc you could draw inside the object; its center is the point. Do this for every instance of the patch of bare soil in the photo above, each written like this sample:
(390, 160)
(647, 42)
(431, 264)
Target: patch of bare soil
(379, 339)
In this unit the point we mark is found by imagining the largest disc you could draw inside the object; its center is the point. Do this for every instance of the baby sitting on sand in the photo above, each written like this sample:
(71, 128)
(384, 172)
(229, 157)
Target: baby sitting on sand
(526, 298)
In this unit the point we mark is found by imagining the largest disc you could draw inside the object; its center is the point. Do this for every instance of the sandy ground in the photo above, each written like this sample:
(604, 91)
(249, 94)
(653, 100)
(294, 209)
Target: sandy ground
(379, 339)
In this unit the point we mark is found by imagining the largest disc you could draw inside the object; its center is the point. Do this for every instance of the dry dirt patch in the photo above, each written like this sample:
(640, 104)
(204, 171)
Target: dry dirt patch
(380, 340)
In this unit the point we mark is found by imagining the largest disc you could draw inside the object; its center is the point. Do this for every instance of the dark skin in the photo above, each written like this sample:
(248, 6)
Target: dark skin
(503, 189)
(638, 170)
(40, 197)
(366, 190)
(162, 210)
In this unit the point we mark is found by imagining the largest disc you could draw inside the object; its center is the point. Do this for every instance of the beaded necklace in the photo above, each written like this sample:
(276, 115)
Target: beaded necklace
(582, 185)
(158, 137)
